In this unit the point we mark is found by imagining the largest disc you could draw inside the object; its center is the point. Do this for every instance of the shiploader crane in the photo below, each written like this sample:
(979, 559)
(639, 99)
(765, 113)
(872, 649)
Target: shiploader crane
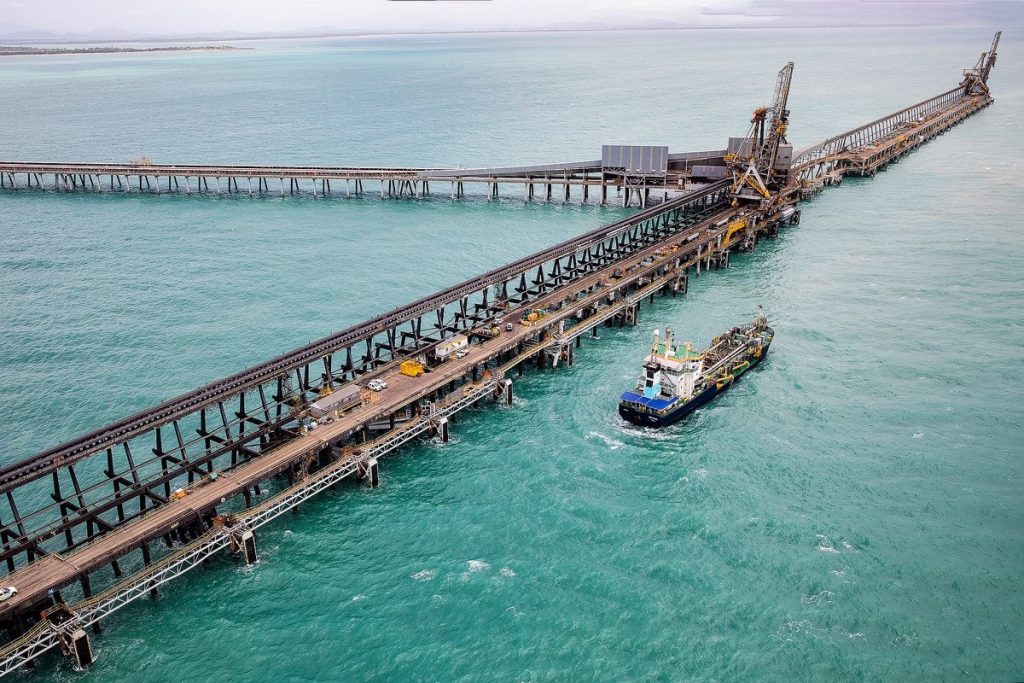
(975, 80)
(753, 164)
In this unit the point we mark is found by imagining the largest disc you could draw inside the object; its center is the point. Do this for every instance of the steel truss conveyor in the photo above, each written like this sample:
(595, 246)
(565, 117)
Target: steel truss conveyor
(142, 458)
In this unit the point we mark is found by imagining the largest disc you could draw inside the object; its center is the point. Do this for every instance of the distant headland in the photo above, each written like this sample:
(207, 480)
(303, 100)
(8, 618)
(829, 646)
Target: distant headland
(12, 50)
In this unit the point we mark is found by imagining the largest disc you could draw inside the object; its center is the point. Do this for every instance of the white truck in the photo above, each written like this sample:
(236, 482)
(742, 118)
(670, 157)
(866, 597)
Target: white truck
(448, 348)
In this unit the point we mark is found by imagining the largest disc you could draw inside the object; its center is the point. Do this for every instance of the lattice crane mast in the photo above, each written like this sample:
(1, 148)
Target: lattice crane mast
(753, 165)
(975, 80)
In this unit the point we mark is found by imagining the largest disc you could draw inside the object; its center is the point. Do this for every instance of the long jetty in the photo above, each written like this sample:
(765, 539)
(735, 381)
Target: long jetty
(91, 525)
(631, 184)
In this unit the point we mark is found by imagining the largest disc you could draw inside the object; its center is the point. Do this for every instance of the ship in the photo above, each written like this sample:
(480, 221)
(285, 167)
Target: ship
(677, 382)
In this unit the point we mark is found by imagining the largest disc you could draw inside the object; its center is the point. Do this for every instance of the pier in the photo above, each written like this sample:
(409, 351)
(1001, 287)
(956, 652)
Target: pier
(590, 180)
(91, 525)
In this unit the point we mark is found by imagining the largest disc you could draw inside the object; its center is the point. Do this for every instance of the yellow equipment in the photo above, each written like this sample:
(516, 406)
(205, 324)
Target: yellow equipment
(734, 227)
(411, 368)
(533, 317)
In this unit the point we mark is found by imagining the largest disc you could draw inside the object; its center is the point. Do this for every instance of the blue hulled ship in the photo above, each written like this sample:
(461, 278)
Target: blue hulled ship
(677, 382)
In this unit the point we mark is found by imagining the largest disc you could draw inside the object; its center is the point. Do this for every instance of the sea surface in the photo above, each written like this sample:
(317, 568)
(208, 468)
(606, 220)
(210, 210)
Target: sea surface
(852, 510)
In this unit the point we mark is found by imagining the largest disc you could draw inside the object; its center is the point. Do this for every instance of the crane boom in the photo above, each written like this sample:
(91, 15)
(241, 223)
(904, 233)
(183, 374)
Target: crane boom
(990, 58)
(778, 120)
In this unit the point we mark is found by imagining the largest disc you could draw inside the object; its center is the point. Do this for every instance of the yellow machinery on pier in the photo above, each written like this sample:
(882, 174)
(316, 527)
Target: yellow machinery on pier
(411, 368)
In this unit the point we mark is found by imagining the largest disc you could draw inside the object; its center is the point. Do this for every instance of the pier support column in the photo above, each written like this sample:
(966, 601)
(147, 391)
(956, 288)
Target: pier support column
(442, 430)
(243, 541)
(81, 648)
(682, 284)
(74, 641)
(629, 315)
(373, 473)
(368, 471)
(146, 561)
(507, 392)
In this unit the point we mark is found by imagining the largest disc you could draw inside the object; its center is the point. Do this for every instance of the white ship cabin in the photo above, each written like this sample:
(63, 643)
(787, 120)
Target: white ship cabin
(669, 372)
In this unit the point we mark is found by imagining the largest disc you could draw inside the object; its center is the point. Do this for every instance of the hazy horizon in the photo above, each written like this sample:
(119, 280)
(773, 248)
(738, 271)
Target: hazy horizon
(120, 19)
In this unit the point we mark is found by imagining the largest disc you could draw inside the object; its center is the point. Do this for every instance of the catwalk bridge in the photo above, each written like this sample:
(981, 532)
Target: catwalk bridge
(93, 524)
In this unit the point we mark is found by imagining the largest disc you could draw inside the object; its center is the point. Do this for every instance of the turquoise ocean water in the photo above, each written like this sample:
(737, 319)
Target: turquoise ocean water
(850, 511)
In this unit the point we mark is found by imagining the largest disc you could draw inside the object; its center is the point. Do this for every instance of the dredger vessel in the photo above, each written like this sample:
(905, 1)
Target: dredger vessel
(676, 382)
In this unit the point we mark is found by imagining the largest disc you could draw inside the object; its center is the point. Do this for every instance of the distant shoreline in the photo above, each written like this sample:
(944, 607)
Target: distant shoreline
(339, 34)
(16, 50)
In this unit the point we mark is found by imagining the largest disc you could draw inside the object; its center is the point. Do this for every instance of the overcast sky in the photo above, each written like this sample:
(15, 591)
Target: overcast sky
(113, 18)
(285, 15)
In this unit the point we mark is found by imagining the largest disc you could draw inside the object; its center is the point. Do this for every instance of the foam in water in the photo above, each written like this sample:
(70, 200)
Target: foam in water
(825, 545)
(613, 444)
